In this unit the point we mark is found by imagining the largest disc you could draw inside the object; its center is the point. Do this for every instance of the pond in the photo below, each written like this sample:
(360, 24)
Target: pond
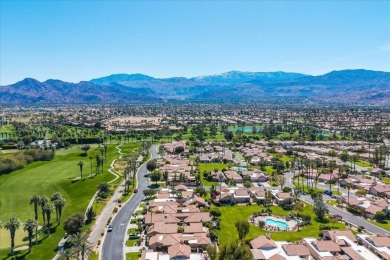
(245, 129)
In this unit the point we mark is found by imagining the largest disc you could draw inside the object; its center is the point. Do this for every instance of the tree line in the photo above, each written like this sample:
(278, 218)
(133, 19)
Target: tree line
(20, 159)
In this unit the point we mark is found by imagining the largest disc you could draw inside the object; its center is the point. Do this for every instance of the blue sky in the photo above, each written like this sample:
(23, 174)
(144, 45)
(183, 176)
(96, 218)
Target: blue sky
(81, 40)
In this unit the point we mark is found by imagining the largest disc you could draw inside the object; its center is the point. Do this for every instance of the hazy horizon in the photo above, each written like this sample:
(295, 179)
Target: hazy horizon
(81, 40)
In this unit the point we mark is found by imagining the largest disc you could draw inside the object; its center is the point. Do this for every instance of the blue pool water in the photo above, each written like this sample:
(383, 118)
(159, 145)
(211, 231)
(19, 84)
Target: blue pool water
(239, 169)
(245, 129)
(277, 223)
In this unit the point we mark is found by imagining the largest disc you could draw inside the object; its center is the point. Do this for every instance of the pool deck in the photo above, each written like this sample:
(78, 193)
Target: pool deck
(292, 225)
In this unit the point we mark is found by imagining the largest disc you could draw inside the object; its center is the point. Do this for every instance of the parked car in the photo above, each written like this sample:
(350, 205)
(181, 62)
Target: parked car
(338, 217)
(134, 235)
(136, 190)
(109, 228)
(328, 192)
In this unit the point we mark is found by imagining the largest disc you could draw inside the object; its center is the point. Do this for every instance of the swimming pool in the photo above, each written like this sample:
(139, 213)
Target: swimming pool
(239, 169)
(278, 223)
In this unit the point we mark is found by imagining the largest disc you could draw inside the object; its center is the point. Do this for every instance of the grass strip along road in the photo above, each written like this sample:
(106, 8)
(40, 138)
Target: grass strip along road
(114, 241)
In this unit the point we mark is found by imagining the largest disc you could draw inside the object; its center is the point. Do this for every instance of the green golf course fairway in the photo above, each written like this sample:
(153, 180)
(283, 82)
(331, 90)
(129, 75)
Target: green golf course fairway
(45, 178)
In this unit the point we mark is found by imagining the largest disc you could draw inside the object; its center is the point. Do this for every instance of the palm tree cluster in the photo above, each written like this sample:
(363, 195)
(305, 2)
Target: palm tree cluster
(77, 247)
(56, 202)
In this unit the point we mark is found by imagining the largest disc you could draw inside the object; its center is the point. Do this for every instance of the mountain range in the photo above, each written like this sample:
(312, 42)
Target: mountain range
(345, 87)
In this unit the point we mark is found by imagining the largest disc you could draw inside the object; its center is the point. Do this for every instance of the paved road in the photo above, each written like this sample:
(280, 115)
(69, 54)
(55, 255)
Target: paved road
(355, 220)
(101, 220)
(114, 241)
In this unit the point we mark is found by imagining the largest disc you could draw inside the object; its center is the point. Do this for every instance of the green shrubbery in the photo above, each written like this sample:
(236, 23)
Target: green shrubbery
(21, 159)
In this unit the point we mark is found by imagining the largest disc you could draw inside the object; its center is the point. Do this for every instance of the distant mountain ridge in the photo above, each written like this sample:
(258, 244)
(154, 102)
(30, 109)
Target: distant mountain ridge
(345, 86)
(242, 77)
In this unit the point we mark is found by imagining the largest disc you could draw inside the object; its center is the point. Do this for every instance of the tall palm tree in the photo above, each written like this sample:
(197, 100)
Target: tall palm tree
(90, 160)
(36, 201)
(12, 225)
(59, 204)
(81, 164)
(55, 196)
(30, 226)
(67, 254)
(44, 200)
(82, 247)
(85, 249)
(349, 186)
(48, 208)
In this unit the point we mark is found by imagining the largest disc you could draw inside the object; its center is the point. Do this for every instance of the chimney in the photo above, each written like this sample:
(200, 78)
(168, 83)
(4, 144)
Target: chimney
(268, 235)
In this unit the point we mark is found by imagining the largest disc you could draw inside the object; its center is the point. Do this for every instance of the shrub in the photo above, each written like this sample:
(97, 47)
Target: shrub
(380, 216)
(354, 210)
(324, 227)
(74, 223)
(91, 214)
(104, 190)
(286, 189)
(215, 213)
(20, 159)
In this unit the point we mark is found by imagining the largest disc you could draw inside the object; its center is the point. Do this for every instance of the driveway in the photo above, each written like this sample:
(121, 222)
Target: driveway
(113, 245)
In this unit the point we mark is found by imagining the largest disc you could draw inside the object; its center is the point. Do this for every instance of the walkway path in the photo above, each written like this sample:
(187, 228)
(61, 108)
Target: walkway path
(97, 229)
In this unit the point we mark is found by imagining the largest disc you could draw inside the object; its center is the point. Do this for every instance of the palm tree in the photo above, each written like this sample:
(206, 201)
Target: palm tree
(59, 204)
(44, 200)
(48, 208)
(12, 225)
(55, 196)
(85, 249)
(81, 164)
(349, 186)
(67, 254)
(81, 244)
(90, 160)
(36, 201)
(30, 226)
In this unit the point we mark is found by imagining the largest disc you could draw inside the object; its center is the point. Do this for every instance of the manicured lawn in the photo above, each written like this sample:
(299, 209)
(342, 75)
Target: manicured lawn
(332, 202)
(382, 225)
(133, 256)
(131, 242)
(45, 178)
(131, 231)
(209, 167)
(284, 158)
(334, 187)
(364, 164)
(269, 169)
(386, 180)
(128, 148)
(231, 214)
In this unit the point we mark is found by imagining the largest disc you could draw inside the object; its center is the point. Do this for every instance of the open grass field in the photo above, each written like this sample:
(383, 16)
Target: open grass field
(210, 167)
(45, 178)
(231, 214)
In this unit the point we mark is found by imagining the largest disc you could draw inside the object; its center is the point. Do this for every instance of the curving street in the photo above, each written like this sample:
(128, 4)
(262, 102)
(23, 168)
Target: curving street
(349, 217)
(114, 241)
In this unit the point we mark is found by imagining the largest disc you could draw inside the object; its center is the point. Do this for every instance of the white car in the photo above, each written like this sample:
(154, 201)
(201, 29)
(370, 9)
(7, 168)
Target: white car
(109, 228)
